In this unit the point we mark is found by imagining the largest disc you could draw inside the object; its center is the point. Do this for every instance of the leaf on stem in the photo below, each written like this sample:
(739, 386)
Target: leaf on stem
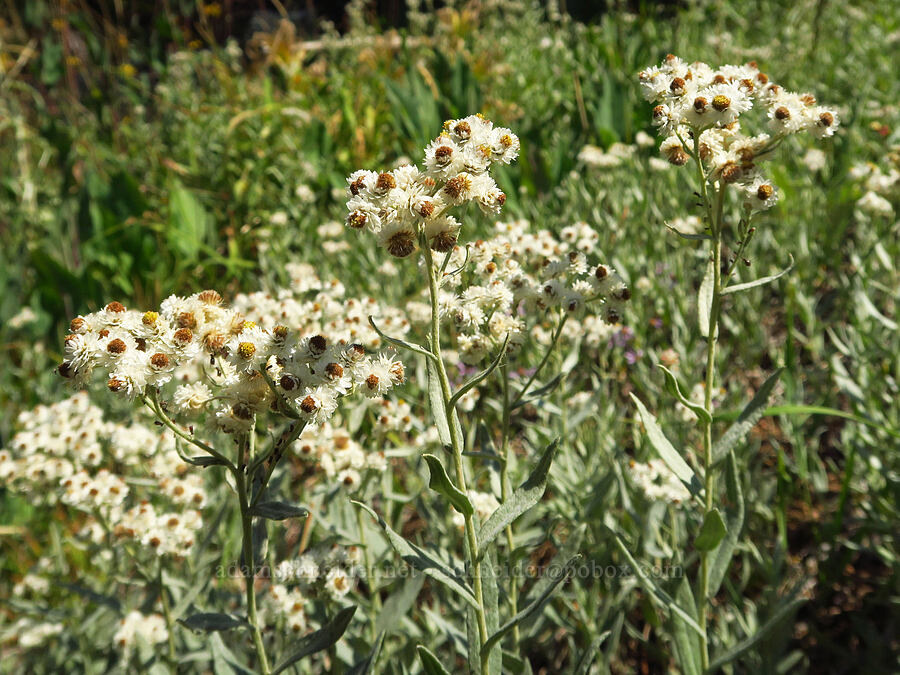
(668, 453)
(367, 665)
(712, 531)
(436, 399)
(686, 642)
(540, 392)
(212, 621)
(318, 641)
(440, 482)
(759, 282)
(524, 497)
(734, 521)
(402, 344)
(430, 663)
(419, 559)
(535, 605)
(277, 510)
(480, 377)
(663, 598)
(779, 615)
(748, 418)
(675, 390)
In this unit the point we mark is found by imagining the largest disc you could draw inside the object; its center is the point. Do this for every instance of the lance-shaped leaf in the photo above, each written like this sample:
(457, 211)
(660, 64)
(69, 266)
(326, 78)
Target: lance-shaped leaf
(758, 282)
(675, 390)
(318, 641)
(419, 559)
(687, 643)
(712, 531)
(568, 551)
(667, 453)
(540, 392)
(688, 235)
(401, 344)
(653, 589)
(212, 621)
(522, 499)
(480, 377)
(734, 521)
(534, 606)
(705, 297)
(430, 663)
(278, 511)
(492, 656)
(749, 416)
(587, 659)
(367, 665)
(787, 608)
(440, 482)
(436, 400)
(399, 603)
(204, 461)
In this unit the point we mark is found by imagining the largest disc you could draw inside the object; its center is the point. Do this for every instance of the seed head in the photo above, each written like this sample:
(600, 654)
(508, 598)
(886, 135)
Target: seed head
(186, 320)
(721, 102)
(159, 360)
(183, 336)
(115, 307)
(149, 318)
(317, 344)
(115, 384)
(76, 324)
(334, 371)
(309, 405)
(246, 350)
(357, 220)
(210, 297)
(401, 244)
(385, 182)
(116, 346)
(764, 192)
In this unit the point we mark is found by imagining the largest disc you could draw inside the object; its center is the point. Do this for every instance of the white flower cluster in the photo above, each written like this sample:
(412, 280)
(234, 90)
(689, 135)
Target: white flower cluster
(881, 187)
(315, 307)
(343, 460)
(658, 482)
(66, 452)
(332, 573)
(397, 205)
(697, 101)
(198, 335)
(151, 628)
(514, 278)
(29, 633)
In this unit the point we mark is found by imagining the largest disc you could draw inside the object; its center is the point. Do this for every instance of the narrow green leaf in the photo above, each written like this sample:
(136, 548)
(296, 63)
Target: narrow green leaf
(367, 665)
(480, 377)
(686, 642)
(436, 399)
(662, 598)
(430, 663)
(224, 660)
(587, 659)
(758, 282)
(675, 390)
(204, 461)
(522, 499)
(399, 603)
(212, 621)
(490, 591)
(533, 607)
(712, 531)
(568, 551)
(402, 344)
(668, 453)
(705, 296)
(748, 418)
(440, 482)
(734, 521)
(421, 560)
(745, 645)
(318, 641)
(278, 511)
(686, 235)
(540, 392)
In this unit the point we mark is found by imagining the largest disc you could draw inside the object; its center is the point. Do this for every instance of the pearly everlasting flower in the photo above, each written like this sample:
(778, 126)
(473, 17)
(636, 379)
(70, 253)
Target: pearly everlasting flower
(150, 628)
(658, 483)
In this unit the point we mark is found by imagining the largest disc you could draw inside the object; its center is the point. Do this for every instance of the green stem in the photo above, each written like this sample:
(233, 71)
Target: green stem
(167, 614)
(505, 492)
(455, 436)
(370, 577)
(716, 227)
(553, 341)
(249, 569)
(152, 402)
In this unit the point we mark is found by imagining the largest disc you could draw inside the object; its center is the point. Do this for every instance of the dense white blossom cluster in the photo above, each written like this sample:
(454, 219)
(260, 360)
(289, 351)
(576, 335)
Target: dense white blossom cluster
(342, 459)
(66, 452)
(151, 628)
(699, 104)
(658, 482)
(396, 206)
(331, 573)
(510, 282)
(881, 186)
(250, 368)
